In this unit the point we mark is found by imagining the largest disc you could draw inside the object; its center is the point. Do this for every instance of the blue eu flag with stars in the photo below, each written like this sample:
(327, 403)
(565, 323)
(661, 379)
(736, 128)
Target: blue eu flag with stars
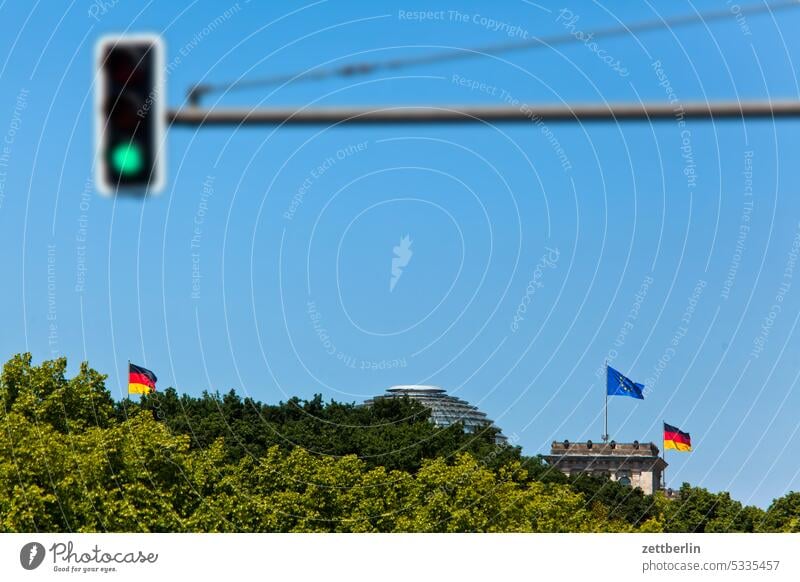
(619, 385)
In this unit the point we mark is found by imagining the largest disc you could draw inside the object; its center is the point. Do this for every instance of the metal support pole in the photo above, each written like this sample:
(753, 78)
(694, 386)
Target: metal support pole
(605, 391)
(664, 458)
(198, 116)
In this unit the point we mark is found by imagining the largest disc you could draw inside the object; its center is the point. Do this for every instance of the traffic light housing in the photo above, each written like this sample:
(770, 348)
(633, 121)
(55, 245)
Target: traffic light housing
(130, 117)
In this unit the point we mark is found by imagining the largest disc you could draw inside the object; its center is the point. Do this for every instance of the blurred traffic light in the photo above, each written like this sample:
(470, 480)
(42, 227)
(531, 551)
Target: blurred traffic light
(130, 115)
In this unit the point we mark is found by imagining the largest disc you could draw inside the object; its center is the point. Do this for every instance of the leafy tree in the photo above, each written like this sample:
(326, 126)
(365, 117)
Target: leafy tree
(130, 477)
(300, 492)
(73, 460)
(698, 510)
(42, 394)
(783, 515)
(394, 433)
(623, 502)
(466, 496)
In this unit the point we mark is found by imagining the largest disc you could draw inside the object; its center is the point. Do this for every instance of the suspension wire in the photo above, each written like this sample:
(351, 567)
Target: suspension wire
(197, 91)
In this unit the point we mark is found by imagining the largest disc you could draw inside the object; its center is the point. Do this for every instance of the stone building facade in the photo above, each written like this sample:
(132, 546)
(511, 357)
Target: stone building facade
(635, 464)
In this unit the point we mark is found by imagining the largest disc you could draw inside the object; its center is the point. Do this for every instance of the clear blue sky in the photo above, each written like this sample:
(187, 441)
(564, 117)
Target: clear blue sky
(655, 210)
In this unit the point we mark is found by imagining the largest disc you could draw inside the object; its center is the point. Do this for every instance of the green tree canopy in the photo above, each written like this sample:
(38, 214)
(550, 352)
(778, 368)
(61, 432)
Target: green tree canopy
(393, 433)
(783, 515)
(698, 510)
(73, 460)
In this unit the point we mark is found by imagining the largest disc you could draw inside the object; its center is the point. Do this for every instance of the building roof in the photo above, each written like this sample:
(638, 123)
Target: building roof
(601, 449)
(416, 388)
(445, 409)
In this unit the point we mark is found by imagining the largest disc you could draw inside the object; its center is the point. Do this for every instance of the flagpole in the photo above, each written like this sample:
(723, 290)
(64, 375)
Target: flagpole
(664, 458)
(605, 390)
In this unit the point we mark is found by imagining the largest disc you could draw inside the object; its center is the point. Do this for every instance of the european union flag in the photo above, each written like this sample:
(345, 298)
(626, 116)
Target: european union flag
(619, 385)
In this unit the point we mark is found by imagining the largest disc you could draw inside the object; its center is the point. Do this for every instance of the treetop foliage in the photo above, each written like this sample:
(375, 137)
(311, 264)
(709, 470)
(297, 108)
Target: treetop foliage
(72, 459)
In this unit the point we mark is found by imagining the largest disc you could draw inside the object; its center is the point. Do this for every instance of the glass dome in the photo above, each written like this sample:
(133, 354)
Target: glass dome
(445, 409)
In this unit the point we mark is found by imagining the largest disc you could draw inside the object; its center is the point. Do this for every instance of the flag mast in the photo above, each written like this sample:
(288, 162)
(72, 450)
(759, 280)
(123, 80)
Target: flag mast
(664, 457)
(605, 426)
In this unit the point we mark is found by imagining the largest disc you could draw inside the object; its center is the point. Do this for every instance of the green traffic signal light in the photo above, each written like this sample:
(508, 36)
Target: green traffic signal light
(127, 158)
(130, 119)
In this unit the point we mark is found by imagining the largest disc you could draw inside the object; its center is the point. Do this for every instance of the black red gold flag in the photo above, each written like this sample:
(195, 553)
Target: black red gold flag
(140, 380)
(675, 438)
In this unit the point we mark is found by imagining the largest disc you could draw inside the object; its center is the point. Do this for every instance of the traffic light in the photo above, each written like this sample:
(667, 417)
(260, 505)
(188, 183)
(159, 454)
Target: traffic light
(130, 117)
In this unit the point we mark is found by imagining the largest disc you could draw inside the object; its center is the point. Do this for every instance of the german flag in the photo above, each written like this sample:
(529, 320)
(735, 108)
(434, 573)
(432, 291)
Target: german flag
(140, 380)
(675, 438)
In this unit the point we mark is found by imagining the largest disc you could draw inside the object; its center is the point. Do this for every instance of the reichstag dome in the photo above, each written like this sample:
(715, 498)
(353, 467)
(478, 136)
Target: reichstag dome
(445, 409)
